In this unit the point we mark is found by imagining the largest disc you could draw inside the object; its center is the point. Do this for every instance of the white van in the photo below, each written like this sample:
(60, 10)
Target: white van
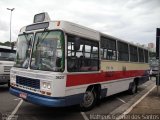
(7, 56)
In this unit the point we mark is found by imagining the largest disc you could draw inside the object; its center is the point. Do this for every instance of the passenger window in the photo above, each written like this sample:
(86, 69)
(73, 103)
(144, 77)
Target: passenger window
(123, 54)
(141, 55)
(108, 50)
(146, 56)
(133, 54)
(86, 58)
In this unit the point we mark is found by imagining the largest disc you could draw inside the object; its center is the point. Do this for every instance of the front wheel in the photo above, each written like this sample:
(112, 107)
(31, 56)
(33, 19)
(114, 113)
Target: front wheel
(89, 100)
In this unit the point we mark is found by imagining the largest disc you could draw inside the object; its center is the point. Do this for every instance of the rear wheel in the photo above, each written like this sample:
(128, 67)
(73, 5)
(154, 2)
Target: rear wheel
(133, 89)
(89, 100)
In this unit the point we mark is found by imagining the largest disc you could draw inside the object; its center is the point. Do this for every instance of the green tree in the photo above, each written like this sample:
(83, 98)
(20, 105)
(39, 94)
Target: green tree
(7, 43)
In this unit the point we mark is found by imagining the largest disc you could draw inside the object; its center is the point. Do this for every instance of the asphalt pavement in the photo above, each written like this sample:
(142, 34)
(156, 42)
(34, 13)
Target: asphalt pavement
(149, 105)
(17, 109)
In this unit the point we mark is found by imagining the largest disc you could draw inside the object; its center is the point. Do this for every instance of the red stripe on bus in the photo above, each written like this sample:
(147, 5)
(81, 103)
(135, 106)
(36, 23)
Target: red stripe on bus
(81, 79)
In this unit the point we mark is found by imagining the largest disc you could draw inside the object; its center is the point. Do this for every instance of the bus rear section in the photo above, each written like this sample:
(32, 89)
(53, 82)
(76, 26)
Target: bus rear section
(59, 63)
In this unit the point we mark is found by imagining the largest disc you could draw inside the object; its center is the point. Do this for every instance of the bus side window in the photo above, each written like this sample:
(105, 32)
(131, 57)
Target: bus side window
(108, 48)
(123, 51)
(141, 55)
(86, 58)
(133, 53)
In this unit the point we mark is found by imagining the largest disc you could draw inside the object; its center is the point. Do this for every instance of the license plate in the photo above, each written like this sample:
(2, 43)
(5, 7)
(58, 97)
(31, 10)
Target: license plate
(23, 95)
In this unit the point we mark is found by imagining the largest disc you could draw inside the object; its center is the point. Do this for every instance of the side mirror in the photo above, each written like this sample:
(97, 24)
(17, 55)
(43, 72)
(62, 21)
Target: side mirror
(77, 44)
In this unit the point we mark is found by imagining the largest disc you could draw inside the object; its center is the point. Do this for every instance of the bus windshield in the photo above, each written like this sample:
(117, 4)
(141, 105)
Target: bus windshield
(24, 45)
(47, 51)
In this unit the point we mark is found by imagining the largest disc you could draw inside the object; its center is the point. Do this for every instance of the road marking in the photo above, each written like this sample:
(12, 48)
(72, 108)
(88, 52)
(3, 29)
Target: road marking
(18, 99)
(84, 116)
(130, 108)
(121, 100)
(15, 110)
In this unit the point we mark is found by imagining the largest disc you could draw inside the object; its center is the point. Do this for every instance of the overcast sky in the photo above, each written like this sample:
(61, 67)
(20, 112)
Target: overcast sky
(131, 20)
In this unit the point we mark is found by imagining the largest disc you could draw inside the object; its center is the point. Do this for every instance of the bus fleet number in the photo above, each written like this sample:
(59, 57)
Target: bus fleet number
(59, 77)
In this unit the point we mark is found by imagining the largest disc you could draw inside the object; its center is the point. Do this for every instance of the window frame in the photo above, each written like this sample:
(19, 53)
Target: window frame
(133, 53)
(106, 47)
(141, 55)
(62, 47)
(122, 52)
(84, 42)
(146, 53)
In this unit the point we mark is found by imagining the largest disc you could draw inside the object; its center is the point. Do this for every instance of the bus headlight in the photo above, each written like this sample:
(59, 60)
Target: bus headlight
(13, 78)
(46, 85)
(49, 86)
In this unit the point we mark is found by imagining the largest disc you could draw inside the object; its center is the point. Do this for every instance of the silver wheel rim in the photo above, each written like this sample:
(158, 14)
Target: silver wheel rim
(88, 99)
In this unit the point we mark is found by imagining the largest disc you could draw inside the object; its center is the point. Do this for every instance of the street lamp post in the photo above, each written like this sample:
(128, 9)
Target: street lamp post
(11, 9)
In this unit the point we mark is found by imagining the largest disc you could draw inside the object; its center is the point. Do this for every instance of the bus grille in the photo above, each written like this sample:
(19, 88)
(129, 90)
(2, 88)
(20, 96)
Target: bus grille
(33, 83)
(7, 68)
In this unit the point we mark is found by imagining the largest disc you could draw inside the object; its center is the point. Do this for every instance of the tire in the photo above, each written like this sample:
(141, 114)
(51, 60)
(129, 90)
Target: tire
(9, 84)
(89, 100)
(133, 88)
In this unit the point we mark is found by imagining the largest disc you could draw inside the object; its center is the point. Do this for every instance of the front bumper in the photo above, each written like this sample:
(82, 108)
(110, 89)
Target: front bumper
(39, 99)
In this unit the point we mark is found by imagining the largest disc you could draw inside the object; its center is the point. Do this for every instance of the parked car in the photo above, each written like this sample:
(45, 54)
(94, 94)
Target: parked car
(154, 64)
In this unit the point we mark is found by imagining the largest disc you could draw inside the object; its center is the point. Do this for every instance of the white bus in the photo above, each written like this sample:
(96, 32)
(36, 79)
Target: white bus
(59, 63)
(7, 56)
